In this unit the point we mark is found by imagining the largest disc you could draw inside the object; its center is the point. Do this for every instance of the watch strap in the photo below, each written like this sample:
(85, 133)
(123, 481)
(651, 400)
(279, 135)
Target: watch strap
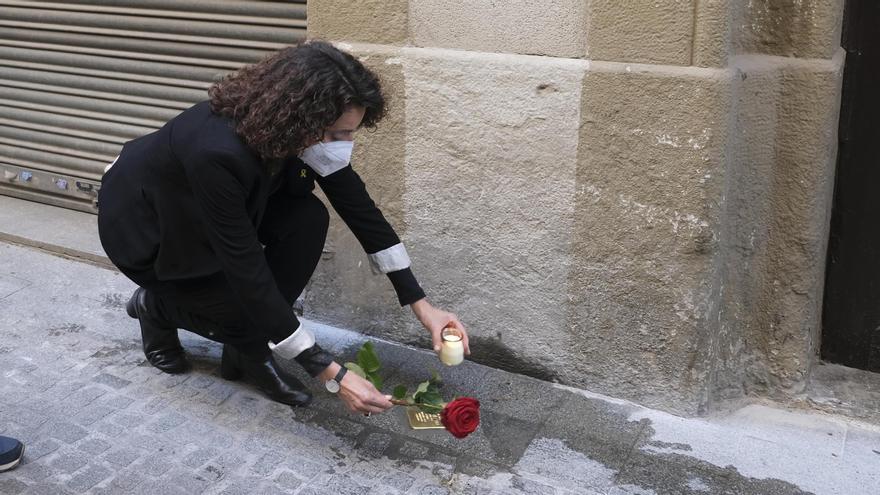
(342, 371)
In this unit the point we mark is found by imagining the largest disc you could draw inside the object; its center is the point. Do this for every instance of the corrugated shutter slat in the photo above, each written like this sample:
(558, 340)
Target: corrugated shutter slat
(79, 78)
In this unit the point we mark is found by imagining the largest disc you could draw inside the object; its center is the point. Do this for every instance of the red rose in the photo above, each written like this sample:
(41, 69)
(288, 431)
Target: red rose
(461, 416)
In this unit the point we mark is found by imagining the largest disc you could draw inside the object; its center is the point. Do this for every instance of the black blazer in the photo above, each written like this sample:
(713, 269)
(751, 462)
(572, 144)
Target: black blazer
(186, 201)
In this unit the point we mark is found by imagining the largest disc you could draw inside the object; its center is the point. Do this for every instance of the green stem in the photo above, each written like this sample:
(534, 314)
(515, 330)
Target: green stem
(408, 403)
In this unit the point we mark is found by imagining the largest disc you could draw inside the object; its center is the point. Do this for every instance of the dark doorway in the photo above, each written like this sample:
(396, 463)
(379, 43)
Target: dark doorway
(851, 314)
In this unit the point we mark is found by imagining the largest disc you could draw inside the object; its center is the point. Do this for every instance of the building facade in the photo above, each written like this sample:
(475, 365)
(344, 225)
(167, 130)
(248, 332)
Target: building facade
(628, 197)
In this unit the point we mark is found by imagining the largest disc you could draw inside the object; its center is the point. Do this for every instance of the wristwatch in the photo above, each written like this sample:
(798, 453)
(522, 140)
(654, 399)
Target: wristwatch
(333, 384)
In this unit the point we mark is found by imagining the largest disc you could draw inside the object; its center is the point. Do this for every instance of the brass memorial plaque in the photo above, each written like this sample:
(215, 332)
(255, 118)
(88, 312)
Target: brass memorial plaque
(419, 420)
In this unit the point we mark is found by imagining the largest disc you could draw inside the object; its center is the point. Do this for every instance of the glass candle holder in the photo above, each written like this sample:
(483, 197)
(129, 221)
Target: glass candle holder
(452, 350)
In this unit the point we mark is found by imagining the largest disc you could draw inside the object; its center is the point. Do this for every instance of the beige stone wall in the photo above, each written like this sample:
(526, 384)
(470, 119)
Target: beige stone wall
(555, 28)
(628, 197)
(789, 28)
(782, 158)
(650, 170)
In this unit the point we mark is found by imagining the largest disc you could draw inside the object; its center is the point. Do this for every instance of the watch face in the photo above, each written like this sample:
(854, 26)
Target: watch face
(332, 386)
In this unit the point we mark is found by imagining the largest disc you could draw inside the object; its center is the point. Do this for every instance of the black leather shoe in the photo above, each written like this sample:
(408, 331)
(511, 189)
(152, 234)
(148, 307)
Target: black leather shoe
(263, 373)
(161, 345)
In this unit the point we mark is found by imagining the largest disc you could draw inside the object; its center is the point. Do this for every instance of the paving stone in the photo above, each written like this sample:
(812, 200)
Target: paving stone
(200, 457)
(153, 443)
(92, 414)
(47, 488)
(28, 416)
(156, 404)
(67, 432)
(84, 397)
(94, 446)
(129, 419)
(229, 461)
(155, 487)
(201, 381)
(398, 480)
(12, 486)
(192, 483)
(443, 464)
(238, 489)
(166, 422)
(344, 485)
(433, 490)
(312, 490)
(63, 389)
(305, 468)
(35, 471)
(123, 456)
(475, 467)
(16, 396)
(212, 473)
(109, 429)
(374, 444)
(39, 381)
(266, 463)
(526, 485)
(265, 489)
(364, 472)
(117, 401)
(125, 481)
(69, 462)
(88, 477)
(414, 450)
(343, 427)
(155, 465)
(478, 486)
(288, 480)
(41, 448)
(112, 381)
(216, 395)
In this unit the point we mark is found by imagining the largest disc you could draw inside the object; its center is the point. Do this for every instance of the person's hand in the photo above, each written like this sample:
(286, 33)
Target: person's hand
(435, 320)
(359, 395)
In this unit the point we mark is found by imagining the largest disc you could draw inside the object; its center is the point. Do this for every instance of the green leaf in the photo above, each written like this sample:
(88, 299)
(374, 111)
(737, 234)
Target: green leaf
(431, 398)
(367, 358)
(429, 408)
(422, 388)
(436, 379)
(357, 370)
(399, 392)
(376, 380)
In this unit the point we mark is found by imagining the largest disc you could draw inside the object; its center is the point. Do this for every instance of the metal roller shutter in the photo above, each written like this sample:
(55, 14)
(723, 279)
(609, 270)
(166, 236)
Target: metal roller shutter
(79, 78)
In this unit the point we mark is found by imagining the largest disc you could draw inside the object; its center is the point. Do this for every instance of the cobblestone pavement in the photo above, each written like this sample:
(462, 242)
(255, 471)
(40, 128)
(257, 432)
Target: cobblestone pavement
(74, 386)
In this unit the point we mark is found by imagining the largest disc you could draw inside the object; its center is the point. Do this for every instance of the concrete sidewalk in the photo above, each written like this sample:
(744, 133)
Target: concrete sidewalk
(75, 387)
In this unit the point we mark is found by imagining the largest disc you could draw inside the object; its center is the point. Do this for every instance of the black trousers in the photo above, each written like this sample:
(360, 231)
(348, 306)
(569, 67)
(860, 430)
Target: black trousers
(293, 231)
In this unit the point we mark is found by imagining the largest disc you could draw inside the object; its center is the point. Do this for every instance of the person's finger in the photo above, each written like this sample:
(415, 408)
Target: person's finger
(381, 401)
(437, 339)
(370, 408)
(464, 336)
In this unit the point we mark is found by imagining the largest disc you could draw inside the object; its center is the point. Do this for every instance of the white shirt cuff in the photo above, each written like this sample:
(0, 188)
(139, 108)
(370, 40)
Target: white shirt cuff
(294, 345)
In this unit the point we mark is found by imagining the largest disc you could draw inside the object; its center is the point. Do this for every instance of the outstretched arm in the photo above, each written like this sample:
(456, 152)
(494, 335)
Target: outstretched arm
(348, 195)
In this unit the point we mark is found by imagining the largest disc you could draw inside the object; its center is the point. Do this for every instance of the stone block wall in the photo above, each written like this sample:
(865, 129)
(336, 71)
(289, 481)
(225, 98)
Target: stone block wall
(628, 197)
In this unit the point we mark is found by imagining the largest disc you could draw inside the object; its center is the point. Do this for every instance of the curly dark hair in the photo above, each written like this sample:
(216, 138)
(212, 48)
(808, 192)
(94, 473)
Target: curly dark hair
(290, 97)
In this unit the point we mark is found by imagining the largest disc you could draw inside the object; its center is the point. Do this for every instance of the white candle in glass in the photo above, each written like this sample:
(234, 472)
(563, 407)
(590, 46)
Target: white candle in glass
(452, 351)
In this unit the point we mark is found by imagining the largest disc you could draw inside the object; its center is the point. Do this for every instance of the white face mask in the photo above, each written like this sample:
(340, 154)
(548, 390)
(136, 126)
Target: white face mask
(326, 158)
